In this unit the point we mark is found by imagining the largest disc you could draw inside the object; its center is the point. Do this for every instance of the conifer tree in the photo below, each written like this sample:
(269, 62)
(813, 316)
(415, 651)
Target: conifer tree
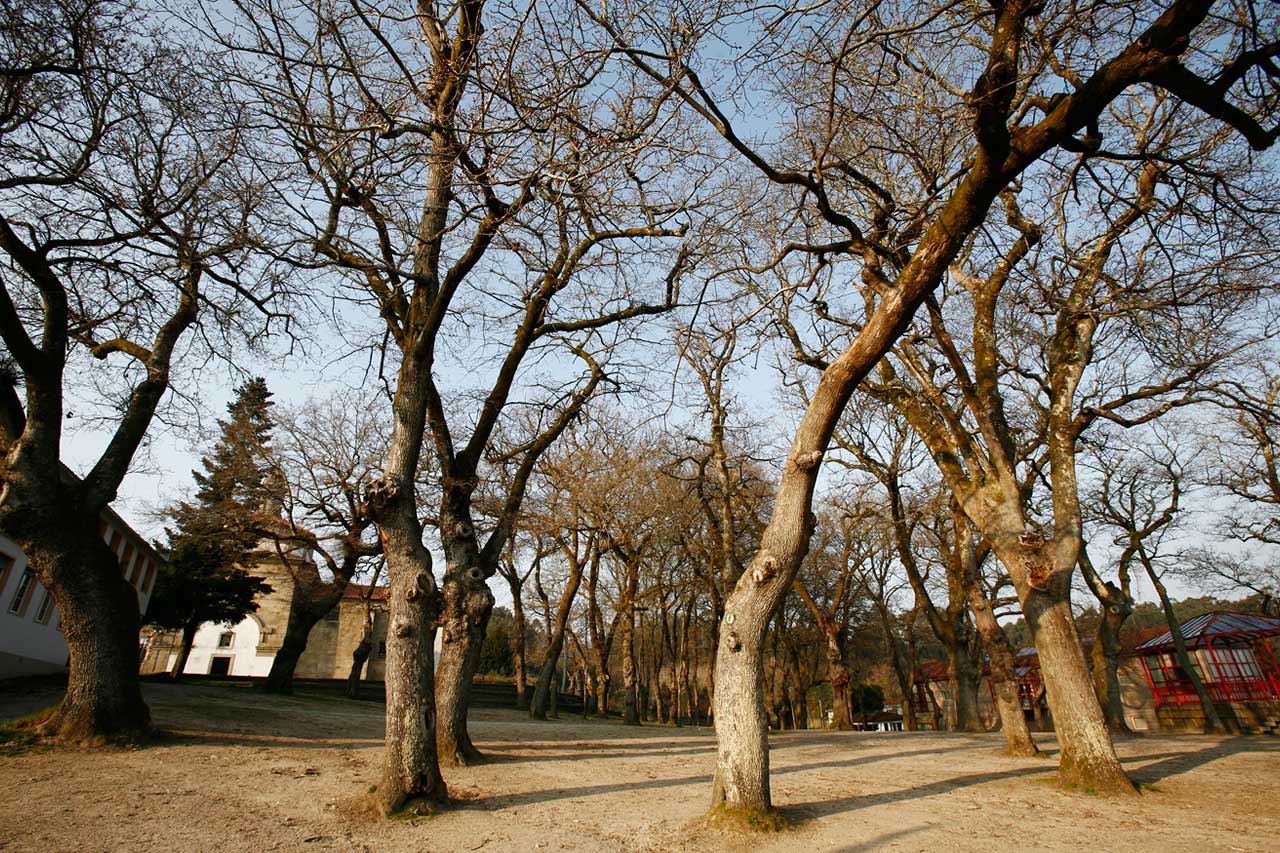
(233, 486)
(214, 533)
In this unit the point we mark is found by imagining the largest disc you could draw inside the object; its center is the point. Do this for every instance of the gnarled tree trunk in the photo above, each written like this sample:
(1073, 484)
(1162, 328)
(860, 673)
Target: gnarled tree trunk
(467, 606)
(100, 622)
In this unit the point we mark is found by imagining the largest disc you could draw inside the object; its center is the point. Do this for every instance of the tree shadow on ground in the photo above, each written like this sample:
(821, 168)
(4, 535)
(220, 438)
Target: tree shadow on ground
(568, 793)
(826, 808)
(190, 737)
(1176, 763)
(494, 752)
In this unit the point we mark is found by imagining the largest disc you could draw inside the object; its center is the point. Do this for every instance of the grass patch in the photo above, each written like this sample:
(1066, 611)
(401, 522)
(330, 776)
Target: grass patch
(1150, 787)
(747, 819)
(22, 734)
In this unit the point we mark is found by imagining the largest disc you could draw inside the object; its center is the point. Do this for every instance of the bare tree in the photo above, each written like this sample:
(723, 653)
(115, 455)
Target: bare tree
(1000, 75)
(463, 165)
(1143, 497)
(125, 224)
(326, 454)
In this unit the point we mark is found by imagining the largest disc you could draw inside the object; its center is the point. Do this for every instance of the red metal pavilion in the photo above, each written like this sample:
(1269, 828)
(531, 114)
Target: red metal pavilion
(1230, 653)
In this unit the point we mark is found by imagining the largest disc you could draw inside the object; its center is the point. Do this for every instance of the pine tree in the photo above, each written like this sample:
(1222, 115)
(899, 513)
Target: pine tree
(214, 533)
(233, 487)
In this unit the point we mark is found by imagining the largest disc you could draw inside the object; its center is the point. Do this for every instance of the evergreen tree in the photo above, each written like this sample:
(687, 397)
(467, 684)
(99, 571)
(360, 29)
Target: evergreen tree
(214, 533)
(198, 584)
(233, 487)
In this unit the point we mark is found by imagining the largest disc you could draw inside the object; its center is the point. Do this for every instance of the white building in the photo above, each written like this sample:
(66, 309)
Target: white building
(31, 641)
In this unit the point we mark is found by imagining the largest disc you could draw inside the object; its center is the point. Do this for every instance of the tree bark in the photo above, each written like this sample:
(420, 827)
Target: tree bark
(1088, 758)
(358, 658)
(184, 651)
(1212, 722)
(304, 613)
(1013, 721)
(965, 676)
(467, 606)
(630, 698)
(517, 647)
(1106, 668)
(100, 622)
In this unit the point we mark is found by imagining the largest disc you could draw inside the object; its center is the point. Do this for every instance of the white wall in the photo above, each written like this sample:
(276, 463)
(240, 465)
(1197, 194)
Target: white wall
(243, 650)
(28, 647)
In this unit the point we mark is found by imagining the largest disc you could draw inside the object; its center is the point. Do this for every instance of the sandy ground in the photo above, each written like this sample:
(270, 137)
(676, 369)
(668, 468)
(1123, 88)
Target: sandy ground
(242, 771)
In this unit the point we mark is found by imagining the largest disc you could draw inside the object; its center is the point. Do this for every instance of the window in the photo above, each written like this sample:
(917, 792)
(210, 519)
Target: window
(332, 615)
(46, 608)
(382, 649)
(22, 595)
(6, 565)
(224, 639)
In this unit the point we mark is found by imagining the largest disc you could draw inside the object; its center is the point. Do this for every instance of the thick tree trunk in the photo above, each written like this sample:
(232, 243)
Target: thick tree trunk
(304, 613)
(358, 658)
(411, 769)
(1088, 758)
(1106, 667)
(468, 603)
(965, 677)
(841, 688)
(184, 650)
(1013, 721)
(99, 615)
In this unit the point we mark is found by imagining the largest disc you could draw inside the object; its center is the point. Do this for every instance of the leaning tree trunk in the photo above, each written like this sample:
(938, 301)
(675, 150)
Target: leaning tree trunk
(1088, 758)
(99, 616)
(542, 691)
(742, 762)
(304, 613)
(1017, 737)
(1212, 722)
(468, 603)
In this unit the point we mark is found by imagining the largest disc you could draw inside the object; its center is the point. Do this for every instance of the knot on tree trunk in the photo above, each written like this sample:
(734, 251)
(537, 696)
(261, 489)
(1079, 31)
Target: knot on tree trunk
(380, 494)
(807, 461)
(764, 569)
(402, 629)
(732, 641)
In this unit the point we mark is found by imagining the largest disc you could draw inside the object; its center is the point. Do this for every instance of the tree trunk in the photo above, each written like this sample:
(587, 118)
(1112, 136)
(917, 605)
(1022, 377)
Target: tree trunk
(1106, 666)
(304, 613)
(1212, 722)
(841, 689)
(358, 658)
(411, 769)
(468, 603)
(1017, 737)
(184, 651)
(100, 621)
(542, 692)
(630, 699)
(965, 677)
(1088, 758)
(517, 647)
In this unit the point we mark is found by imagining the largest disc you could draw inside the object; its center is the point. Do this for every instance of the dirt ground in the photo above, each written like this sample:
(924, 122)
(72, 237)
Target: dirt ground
(243, 771)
